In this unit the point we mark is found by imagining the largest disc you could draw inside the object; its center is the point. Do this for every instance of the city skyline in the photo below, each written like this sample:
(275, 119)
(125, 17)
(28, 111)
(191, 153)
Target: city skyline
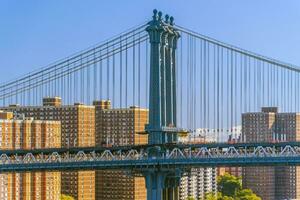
(158, 112)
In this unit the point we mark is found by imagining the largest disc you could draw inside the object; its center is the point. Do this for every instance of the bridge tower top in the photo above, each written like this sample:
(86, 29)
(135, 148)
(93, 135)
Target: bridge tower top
(162, 99)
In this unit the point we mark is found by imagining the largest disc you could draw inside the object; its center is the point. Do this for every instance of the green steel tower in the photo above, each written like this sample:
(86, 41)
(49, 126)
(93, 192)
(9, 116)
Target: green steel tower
(162, 183)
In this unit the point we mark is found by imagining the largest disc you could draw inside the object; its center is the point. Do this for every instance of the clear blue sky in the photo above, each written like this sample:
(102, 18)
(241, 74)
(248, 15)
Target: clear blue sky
(36, 33)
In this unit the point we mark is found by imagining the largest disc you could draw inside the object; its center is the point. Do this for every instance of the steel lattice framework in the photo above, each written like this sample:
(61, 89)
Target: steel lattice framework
(162, 156)
(209, 87)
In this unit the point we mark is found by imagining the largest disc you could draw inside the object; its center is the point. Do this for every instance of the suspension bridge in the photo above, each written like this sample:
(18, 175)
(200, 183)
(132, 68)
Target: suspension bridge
(188, 81)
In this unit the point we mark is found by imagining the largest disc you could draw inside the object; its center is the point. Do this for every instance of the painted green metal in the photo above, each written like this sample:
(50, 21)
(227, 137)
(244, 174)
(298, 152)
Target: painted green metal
(162, 107)
(162, 103)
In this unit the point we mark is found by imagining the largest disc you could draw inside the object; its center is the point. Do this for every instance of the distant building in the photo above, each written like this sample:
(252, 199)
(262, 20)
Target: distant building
(234, 137)
(117, 127)
(27, 133)
(198, 181)
(215, 134)
(272, 183)
(77, 130)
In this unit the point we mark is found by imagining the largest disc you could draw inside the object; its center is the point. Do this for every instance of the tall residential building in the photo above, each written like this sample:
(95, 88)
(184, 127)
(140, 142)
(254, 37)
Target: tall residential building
(27, 133)
(117, 127)
(272, 183)
(197, 182)
(77, 130)
(233, 138)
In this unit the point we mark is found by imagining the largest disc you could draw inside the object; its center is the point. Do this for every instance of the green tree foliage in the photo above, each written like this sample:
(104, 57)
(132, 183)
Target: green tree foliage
(190, 198)
(219, 196)
(247, 194)
(229, 185)
(66, 197)
(230, 188)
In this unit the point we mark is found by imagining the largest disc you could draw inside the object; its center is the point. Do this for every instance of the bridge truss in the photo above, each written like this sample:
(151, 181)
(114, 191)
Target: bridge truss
(162, 156)
(191, 83)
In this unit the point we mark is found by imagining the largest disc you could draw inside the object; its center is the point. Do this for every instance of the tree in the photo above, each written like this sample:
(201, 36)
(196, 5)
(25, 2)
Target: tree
(66, 197)
(230, 188)
(219, 196)
(247, 194)
(229, 185)
(190, 198)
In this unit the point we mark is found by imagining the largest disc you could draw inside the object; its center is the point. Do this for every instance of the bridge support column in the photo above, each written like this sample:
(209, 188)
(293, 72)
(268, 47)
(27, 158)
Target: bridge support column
(155, 185)
(162, 185)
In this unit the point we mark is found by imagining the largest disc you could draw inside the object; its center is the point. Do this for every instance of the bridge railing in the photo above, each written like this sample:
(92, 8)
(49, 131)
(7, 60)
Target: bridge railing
(193, 155)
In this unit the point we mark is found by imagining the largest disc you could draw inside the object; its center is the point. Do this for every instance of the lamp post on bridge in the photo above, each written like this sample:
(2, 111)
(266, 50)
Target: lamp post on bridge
(162, 183)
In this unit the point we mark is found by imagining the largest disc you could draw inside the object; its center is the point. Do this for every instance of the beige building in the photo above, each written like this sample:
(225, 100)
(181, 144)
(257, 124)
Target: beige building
(77, 130)
(27, 133)
(117, 127)
(272, 183)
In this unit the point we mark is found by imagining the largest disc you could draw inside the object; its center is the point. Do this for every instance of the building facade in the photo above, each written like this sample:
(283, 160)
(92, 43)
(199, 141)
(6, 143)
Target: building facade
(197, 182)
(119, 127)
(77, 130)
(272, 183)
(18, 132)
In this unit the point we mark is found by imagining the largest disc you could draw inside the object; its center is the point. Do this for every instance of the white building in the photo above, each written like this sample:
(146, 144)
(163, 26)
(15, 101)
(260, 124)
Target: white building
(210, 135)
(198, 182)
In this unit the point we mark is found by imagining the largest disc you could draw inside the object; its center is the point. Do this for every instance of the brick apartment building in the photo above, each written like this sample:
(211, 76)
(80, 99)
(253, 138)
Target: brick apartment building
(18, 132)
(272, 183)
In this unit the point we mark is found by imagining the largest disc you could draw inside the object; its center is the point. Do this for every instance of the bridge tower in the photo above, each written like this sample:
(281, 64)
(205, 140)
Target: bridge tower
(162, 103)
(162, 183)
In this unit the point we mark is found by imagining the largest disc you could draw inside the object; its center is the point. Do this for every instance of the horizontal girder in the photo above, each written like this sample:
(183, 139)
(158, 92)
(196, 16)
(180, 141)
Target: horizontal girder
(142, 157)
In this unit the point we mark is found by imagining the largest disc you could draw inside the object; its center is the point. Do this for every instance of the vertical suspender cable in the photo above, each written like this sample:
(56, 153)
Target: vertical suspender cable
(181, 81)
(222, 87)
(241, 85)
(113, 89)
(188, 81)
(236, 94)
(214, 92)
(81, 81)
(139, 79)
(296, 92)
(95, 80)
(194, 84)
(55, 74)
(195, 81)
(100, 77)
(107, 76)
(245, 84)
(231, 92)
(259, 83)
(68, 84)
(249, 83)
(277, 89)
(228, 93)
(263, 83)
(200, 111)
(121, 72)
(147, 67)
(204, 89)
(290, 90)
(268, 84)
(126, 74)
(88, 87)
(254, 84)
(218, 94)
(207, 89)
(133, 69)
(191, 83)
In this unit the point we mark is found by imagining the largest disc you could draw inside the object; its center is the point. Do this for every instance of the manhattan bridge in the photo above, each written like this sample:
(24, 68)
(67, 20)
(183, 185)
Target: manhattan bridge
(185, 79)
